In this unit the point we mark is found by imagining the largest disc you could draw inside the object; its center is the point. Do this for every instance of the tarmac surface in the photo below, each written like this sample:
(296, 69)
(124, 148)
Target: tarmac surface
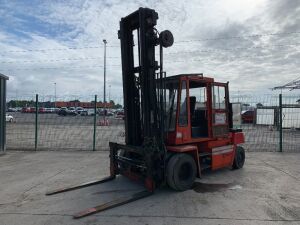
(266, 191)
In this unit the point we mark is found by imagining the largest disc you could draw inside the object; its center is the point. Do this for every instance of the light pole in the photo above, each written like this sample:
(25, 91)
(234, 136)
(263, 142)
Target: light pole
(104, 89)
(16, 97)
(55, 95)
(109, 93)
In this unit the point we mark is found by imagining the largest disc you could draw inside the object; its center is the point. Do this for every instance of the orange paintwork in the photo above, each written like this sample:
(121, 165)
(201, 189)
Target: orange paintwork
(221, 148)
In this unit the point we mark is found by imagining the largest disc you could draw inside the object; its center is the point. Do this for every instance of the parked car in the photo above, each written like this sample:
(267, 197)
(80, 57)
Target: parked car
(72, 110)
(9, 118)
(109, 113)
(25, 110)
(248, 116)
(42, 110)
(79, 110)
(12, 110)
(50, 110)
(19, 109)
(62, 111)
(88, 112)
(67, 112)
(106, 111)
(101, 112)
(120, 115)
(32, 110)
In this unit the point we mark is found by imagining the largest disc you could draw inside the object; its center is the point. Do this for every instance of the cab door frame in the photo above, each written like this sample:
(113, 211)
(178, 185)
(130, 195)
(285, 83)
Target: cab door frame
(220, 121)
(187, 129)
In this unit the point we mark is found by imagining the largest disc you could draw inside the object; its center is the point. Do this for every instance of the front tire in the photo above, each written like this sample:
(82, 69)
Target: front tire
(239, 158)
(181, 172)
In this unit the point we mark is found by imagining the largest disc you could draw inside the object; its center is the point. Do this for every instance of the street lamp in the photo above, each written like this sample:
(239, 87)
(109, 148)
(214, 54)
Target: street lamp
(104, 89)
(109, 93)
(55, 95)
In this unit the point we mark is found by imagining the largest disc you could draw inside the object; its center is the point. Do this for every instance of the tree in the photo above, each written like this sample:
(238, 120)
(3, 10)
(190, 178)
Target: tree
(118, 106)
(76, 100)
(20, 103)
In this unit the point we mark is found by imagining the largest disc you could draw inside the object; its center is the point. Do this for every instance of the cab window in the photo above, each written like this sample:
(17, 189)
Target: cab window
(219, 97)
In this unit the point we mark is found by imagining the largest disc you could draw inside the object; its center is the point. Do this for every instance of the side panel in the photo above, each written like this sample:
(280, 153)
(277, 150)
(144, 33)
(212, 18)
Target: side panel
(222, 156)
(237, 138)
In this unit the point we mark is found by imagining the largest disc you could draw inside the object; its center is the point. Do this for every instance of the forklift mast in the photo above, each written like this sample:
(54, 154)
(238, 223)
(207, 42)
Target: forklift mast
(143, 114)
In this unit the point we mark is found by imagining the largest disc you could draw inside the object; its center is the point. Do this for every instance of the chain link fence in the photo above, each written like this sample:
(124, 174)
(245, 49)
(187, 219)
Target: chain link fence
(269, 122)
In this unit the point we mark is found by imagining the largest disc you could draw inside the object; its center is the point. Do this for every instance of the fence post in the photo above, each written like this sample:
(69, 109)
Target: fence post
(95, 123)
(36, 121)
(280, 122)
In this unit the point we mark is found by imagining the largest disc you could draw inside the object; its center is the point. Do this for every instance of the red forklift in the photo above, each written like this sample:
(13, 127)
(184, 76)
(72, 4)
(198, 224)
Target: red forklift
(175, 127)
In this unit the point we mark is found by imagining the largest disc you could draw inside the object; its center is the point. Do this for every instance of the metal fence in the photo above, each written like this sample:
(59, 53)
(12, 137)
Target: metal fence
(40, 128)
(270, 123)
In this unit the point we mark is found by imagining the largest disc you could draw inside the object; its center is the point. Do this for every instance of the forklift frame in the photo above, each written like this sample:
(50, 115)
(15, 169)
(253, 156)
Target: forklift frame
(148, 146)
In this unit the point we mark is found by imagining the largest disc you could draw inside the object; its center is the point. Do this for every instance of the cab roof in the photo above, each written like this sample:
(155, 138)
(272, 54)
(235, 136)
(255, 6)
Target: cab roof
(191, 76)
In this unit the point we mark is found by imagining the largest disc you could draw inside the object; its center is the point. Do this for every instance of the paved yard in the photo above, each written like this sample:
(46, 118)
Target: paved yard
(265, 191)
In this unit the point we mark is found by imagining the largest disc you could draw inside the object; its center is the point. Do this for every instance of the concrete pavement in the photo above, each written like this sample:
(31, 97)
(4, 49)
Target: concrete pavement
(265, 191)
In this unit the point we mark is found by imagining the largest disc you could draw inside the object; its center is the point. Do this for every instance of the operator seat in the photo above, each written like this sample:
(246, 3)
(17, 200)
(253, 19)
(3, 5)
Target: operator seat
(192, 105)
(199, 126)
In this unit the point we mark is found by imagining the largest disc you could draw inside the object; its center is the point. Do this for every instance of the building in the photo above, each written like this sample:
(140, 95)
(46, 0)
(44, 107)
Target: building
(82, 104)
(3, 80)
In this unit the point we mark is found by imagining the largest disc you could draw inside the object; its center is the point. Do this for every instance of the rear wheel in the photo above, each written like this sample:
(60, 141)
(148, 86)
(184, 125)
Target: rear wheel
(239, 158)
(181, 172)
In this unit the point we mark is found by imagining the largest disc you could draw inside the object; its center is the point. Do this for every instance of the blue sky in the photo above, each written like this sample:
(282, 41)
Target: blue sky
(47, 42)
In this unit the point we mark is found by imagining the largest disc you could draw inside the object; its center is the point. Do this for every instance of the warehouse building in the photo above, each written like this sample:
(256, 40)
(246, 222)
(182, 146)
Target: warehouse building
(3, 80)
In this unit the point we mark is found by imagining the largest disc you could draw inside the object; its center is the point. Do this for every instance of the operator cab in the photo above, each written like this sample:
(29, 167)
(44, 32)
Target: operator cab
(196, 109)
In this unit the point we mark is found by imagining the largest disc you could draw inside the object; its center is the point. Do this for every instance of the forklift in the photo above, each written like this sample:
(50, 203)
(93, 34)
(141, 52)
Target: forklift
(175, 127)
